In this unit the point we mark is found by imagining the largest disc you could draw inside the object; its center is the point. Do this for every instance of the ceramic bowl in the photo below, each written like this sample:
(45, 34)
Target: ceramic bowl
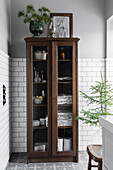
(38, 101)
(40, 55)
(37, 55)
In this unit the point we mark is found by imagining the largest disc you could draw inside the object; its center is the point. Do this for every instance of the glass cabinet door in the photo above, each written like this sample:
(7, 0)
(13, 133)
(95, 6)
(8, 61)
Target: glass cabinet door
(65, 98)
(40, 99)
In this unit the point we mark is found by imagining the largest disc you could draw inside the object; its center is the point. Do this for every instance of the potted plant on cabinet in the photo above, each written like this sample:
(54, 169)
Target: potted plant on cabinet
(36, 20)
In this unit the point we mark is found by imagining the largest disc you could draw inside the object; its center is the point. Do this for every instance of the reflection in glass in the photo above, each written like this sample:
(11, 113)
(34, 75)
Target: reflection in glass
(64, 99)
(40, 102)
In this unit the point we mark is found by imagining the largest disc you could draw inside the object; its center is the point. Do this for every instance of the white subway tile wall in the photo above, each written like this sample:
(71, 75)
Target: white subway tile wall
(89, 72)
(109, 74)
(19, 105)
(5, 111)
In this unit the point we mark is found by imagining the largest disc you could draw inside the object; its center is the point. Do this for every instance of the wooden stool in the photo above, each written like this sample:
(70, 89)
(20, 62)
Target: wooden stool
(95, 154)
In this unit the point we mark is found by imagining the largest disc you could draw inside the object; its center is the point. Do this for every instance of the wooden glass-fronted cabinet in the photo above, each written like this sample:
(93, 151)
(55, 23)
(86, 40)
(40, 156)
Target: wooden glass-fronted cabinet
(52, 99)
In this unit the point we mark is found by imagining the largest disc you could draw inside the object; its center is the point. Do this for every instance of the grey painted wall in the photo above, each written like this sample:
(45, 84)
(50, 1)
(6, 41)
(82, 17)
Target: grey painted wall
(109, 8)
(109, 33)
(5, 7)
(109, 27)
(88, 21)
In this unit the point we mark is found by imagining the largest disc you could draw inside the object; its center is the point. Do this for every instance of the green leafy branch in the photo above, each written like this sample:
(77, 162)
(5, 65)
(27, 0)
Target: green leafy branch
(31, 15)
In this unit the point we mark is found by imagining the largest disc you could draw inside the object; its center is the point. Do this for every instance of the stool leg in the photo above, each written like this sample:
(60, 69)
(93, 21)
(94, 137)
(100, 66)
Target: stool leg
(89, 164)
(100, 166)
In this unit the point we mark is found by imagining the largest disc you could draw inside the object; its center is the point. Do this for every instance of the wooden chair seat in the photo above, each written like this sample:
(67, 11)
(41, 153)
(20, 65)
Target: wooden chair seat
(95, 154)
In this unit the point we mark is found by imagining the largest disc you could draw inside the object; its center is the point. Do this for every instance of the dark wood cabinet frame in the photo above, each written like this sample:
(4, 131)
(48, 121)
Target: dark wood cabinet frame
(52, 154)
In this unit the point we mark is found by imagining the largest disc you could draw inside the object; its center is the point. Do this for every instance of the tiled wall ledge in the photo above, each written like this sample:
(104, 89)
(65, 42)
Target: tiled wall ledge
(89, 72)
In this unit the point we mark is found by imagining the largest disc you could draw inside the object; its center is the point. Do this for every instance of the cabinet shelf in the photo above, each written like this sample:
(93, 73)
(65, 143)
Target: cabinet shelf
(39, 60)
(38, 143)
(66, 82)
(64, 104)
(40, 127)
(64, 60)
(40, 105)
(64, 127)
(39, 82)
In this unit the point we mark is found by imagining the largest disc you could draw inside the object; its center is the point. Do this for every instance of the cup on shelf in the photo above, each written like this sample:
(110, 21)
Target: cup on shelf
(44, 55)
(36, 123)
(42, 121)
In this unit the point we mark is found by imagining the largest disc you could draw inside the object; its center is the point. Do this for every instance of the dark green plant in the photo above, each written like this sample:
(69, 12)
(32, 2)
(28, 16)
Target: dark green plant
(31, 15)
(102, 97)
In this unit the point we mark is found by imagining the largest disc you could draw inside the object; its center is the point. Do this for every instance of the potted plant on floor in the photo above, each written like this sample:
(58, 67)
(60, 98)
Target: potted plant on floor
(36, 20)
(101, 99)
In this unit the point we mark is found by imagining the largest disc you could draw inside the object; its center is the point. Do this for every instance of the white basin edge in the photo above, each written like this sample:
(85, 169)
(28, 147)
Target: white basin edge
(106, 122)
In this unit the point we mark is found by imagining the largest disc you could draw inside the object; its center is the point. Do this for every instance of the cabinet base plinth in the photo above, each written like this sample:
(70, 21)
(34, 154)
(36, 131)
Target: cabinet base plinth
(52, 159)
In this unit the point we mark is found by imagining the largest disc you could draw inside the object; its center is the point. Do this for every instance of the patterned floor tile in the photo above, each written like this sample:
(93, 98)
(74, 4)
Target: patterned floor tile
(19, 162)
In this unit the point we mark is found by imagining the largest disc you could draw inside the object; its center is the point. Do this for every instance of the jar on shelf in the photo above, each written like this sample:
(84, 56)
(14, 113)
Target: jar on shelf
(46, 120)
(62, 53)
(37, 78)
(43, 95)
(42, 76)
